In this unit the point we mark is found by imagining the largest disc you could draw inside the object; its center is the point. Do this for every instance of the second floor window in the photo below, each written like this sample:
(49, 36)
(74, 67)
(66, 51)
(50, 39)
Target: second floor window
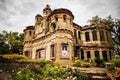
(52, 51)
(107, 36)
(64, 18)
(94, 35)
(87, 37)
(102, 38)
(30, 33)
(79, 36)
(56, 18)
(75, 33)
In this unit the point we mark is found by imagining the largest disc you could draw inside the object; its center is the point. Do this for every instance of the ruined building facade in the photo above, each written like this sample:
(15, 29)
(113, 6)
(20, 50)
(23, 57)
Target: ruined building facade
(56, 36)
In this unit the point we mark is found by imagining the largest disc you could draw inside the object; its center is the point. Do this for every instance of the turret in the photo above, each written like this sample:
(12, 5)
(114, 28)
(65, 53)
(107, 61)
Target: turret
(38, 19)
(38, 23)
(29, 33)
(47, 11)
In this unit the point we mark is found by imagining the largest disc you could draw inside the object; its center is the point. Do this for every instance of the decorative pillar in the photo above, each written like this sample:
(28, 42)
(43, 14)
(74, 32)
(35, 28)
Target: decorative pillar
(85, 54)
(100, 53)
(92, 53)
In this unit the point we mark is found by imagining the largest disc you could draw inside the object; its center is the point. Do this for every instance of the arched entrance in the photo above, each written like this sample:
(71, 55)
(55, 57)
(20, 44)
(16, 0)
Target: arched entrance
(104, 54)
(96, 53)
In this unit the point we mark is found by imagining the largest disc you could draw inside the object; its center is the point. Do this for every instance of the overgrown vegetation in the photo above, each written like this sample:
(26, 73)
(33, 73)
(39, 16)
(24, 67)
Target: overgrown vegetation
(48, 71)
(116, 62)
(77, 63)
(14, 57)
(10, 39)
(115, 70)
(85, 64)
(99, 62)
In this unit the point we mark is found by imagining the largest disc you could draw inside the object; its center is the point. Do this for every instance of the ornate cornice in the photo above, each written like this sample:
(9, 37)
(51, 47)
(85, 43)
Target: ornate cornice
(50, 34)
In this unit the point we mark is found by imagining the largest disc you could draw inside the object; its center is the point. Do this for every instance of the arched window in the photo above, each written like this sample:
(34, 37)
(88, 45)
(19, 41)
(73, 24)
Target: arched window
(96, 53)
(87, 37)
(88, 55)
(94, 35)
(53, 26)
(30, 33)
(107, 36)
(104, 54)
(79, 36)
(56, 18)
(52, 51)
(82, 54)
(102, 38)
(64, 18)
(110, 55)
(75, 33)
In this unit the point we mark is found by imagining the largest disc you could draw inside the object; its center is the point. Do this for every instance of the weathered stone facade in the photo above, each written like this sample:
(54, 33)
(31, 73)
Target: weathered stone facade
(56, 36)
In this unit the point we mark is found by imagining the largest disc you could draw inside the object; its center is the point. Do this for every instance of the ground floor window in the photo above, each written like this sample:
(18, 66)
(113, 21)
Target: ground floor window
(88, 55)
(104, 54)
(52, 51)
(82, 54)
(65, 53)
(40, 54)
(110, 55)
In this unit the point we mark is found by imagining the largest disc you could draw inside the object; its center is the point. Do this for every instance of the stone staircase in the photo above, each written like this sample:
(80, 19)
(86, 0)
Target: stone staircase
(97, 73)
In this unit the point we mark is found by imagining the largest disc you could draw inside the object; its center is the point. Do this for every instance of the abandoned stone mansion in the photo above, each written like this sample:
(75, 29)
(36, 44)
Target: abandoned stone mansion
(56, 36)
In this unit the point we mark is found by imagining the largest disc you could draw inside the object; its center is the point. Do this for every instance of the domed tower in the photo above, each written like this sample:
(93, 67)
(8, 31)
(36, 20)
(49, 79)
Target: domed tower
(61, 18)
(38, 23)
(29, 33)
(47, 11)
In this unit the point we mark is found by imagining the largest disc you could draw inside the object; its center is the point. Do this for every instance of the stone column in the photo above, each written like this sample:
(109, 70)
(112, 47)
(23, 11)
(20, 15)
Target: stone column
(85, 55)
(58, 51)
(108, 55)
(100, 54)
(92, 54)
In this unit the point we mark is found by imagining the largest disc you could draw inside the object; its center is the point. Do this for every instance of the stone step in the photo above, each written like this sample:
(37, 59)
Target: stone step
(100, 78)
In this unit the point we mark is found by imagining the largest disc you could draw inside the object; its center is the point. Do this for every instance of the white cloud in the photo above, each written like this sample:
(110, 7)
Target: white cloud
(15, 15)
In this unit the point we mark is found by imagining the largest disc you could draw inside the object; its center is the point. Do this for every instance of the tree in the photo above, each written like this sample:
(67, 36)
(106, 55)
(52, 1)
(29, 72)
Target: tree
(114, 26)
(4, 47)
(9, 40)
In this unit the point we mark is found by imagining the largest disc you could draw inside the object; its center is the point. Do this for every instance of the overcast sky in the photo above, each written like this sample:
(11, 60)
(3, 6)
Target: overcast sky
(15, 15)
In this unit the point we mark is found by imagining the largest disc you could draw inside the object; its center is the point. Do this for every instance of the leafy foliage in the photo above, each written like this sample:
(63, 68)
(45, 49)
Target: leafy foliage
(77, 63)
(9, 39)
(48, 72)
(14, 57)
(116, 62)
(100, 62)
(85, 64)
(114, 27)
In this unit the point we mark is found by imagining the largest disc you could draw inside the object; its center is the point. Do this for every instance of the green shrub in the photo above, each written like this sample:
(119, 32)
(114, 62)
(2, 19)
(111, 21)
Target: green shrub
(99, 62)
(77, 63)
(85, 64)
(24, 74)
(55, 72)
(48, 72)
(14, 57)
(116, 62)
